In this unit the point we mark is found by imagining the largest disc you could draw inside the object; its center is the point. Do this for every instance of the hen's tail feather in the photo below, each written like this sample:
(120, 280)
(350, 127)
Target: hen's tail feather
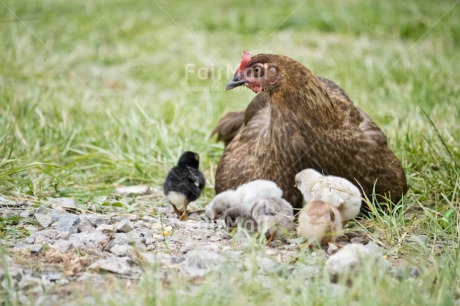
(228, 126)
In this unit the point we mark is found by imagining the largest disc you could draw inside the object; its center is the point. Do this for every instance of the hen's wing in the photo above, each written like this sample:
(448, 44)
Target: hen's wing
(229, 125)
(356, 116)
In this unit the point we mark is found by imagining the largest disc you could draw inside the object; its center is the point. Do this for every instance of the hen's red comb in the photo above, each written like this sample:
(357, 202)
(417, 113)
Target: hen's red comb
(244, 60)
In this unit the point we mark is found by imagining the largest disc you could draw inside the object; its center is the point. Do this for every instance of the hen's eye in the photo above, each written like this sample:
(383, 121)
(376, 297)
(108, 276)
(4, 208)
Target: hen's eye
(257, 71)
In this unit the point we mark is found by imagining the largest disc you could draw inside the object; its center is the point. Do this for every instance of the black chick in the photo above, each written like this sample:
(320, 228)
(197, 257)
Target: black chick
(184, 183)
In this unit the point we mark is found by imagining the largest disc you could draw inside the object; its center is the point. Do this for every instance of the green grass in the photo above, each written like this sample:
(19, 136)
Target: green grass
(94, 94)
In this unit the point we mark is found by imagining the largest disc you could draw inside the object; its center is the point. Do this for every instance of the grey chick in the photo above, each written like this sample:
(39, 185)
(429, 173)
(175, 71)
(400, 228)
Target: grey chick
(273, 216)
(243, 198)
(238, 215)
(218, 207)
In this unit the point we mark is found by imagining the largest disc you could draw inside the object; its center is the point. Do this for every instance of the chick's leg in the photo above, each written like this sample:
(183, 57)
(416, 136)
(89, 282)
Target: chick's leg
(177, 211)
(183, 212)
(271, 237)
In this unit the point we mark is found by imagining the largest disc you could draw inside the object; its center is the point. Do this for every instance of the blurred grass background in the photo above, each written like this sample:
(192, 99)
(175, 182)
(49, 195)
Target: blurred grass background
(94, 94)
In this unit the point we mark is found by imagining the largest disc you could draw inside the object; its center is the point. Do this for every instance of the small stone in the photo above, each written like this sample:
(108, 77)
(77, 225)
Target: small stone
(418, 238)
(351, 258)
(28, 282)
(62, 203)
(374, 248)
(268, 265)
(177, 259)
(411, 272)
(117, 239)
(199, 263)
(32, 229)
(105, 228)
(52, 277)
(414, 272)
(93, 278)
(359, 240)
(233, 255)
(85, 225)
(102, 220)
(6, 202)
(35, 249)
(298, 240)
(148, 219)
(14, 272)
(63, 235)
(43, 220)
(88, 240)
(25, 214)
(184, 249)
(195, 217)
(133, 217)
(23, 299)
(29, 240)
(120, 250)
(332, 248)
(132, 190)
(68, 223)
(41, 240)
(148, 257)
(49, 233)
(304, 272)
(137, 237)
(334, 290)
(215, 238)
(124, 226)
(117, 265)
(62, 246)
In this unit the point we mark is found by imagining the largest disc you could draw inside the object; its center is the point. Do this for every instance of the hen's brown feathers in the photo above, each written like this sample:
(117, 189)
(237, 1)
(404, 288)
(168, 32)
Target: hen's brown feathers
(305, 122)
(228, 126)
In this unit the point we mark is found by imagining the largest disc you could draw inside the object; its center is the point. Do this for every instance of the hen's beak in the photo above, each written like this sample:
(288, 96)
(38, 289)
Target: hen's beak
(238, 80)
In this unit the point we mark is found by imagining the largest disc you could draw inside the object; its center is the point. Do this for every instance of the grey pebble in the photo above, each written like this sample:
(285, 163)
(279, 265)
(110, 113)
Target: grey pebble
(35, 249)
(418, 238)
(88, 240)
(117, 265)
(119, 239)
(62, 202)
(43, 220)
(105, 228)
(28, 282)
(120, 250)
(62, 246)
(124, 226)
(86, 225)
(68, 223)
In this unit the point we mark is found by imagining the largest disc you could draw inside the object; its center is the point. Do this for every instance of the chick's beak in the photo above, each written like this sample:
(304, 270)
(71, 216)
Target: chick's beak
(238, 80)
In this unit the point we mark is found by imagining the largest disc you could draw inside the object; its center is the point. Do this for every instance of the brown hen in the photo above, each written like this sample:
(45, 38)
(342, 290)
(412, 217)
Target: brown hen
(298, 121)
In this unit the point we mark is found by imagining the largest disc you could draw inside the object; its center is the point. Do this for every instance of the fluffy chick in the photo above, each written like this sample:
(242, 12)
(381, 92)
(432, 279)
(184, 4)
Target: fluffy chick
(334, 190)
(184, 183)
(218, 207)
(238, 215)
(257, 189)
(319, 222)
(273, 217)
(241, 199)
